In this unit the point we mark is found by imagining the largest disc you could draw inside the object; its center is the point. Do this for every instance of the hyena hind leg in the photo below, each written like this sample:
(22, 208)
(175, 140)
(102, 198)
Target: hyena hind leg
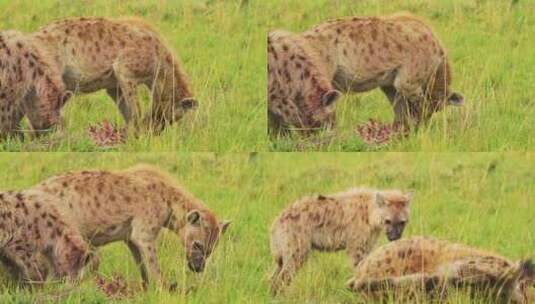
(287, 268)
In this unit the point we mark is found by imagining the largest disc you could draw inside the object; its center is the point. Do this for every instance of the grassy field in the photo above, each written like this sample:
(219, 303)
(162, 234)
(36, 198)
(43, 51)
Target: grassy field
(483, 199)
(490, 51)
(222, 48)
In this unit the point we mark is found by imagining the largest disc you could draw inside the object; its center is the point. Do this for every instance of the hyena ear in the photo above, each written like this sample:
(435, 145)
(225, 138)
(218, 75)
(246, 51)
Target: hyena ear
(380, 200)
(224, 226)
(330, 97)
(194, 217)
(188, 104)
(456, 99)
(409, 195)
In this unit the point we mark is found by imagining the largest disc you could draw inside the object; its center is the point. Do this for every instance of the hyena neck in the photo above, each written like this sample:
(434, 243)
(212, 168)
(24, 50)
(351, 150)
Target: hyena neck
(316, 46)
(375, 219)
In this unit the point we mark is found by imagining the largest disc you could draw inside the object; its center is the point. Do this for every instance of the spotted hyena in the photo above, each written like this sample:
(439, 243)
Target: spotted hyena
(351, 220)
(133, 206)
(119, 55)
(431, 265)
(30, 85)
(399, 54)
(34, 236)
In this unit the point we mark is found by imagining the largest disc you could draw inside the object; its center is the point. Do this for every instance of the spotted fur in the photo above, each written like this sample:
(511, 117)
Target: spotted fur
(36, 237)
(30, 86)
(433, 266)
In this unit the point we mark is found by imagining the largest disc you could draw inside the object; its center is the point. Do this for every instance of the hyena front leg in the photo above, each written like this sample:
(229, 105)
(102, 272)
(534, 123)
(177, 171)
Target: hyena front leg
(143, 247)
(94, 263)
(275, 125)
(125, 94)
(409, 98)
(398, 107)
(158, 115)
(357, 251)
(118, 97)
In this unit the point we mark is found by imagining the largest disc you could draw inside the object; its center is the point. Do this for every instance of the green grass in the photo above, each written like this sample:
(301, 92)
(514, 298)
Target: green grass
(489, 46)
(482, 199)
(222, 48)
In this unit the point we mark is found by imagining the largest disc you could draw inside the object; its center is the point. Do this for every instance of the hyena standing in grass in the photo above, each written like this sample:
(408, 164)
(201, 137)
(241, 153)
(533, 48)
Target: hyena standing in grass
(34, 236)
(30, 85)
(351, 220)
(399, 54)
(430, 266)
(118, 55)
(133, 206)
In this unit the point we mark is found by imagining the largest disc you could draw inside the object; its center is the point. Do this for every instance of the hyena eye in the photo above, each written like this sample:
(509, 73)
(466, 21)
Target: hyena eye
(388, 222)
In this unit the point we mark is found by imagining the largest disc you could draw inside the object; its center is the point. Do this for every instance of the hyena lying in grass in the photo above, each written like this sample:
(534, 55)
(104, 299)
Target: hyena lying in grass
(133, 206)
(351, 220)
(400, 54)
(430, 266)
(34, 236)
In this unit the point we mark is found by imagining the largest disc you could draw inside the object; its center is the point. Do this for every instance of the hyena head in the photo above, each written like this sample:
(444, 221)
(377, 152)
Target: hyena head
(300, 95)
(159, 118)
(522, 283)
(438, 94)
(201, 235)
(393, 209)
(321, 114)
